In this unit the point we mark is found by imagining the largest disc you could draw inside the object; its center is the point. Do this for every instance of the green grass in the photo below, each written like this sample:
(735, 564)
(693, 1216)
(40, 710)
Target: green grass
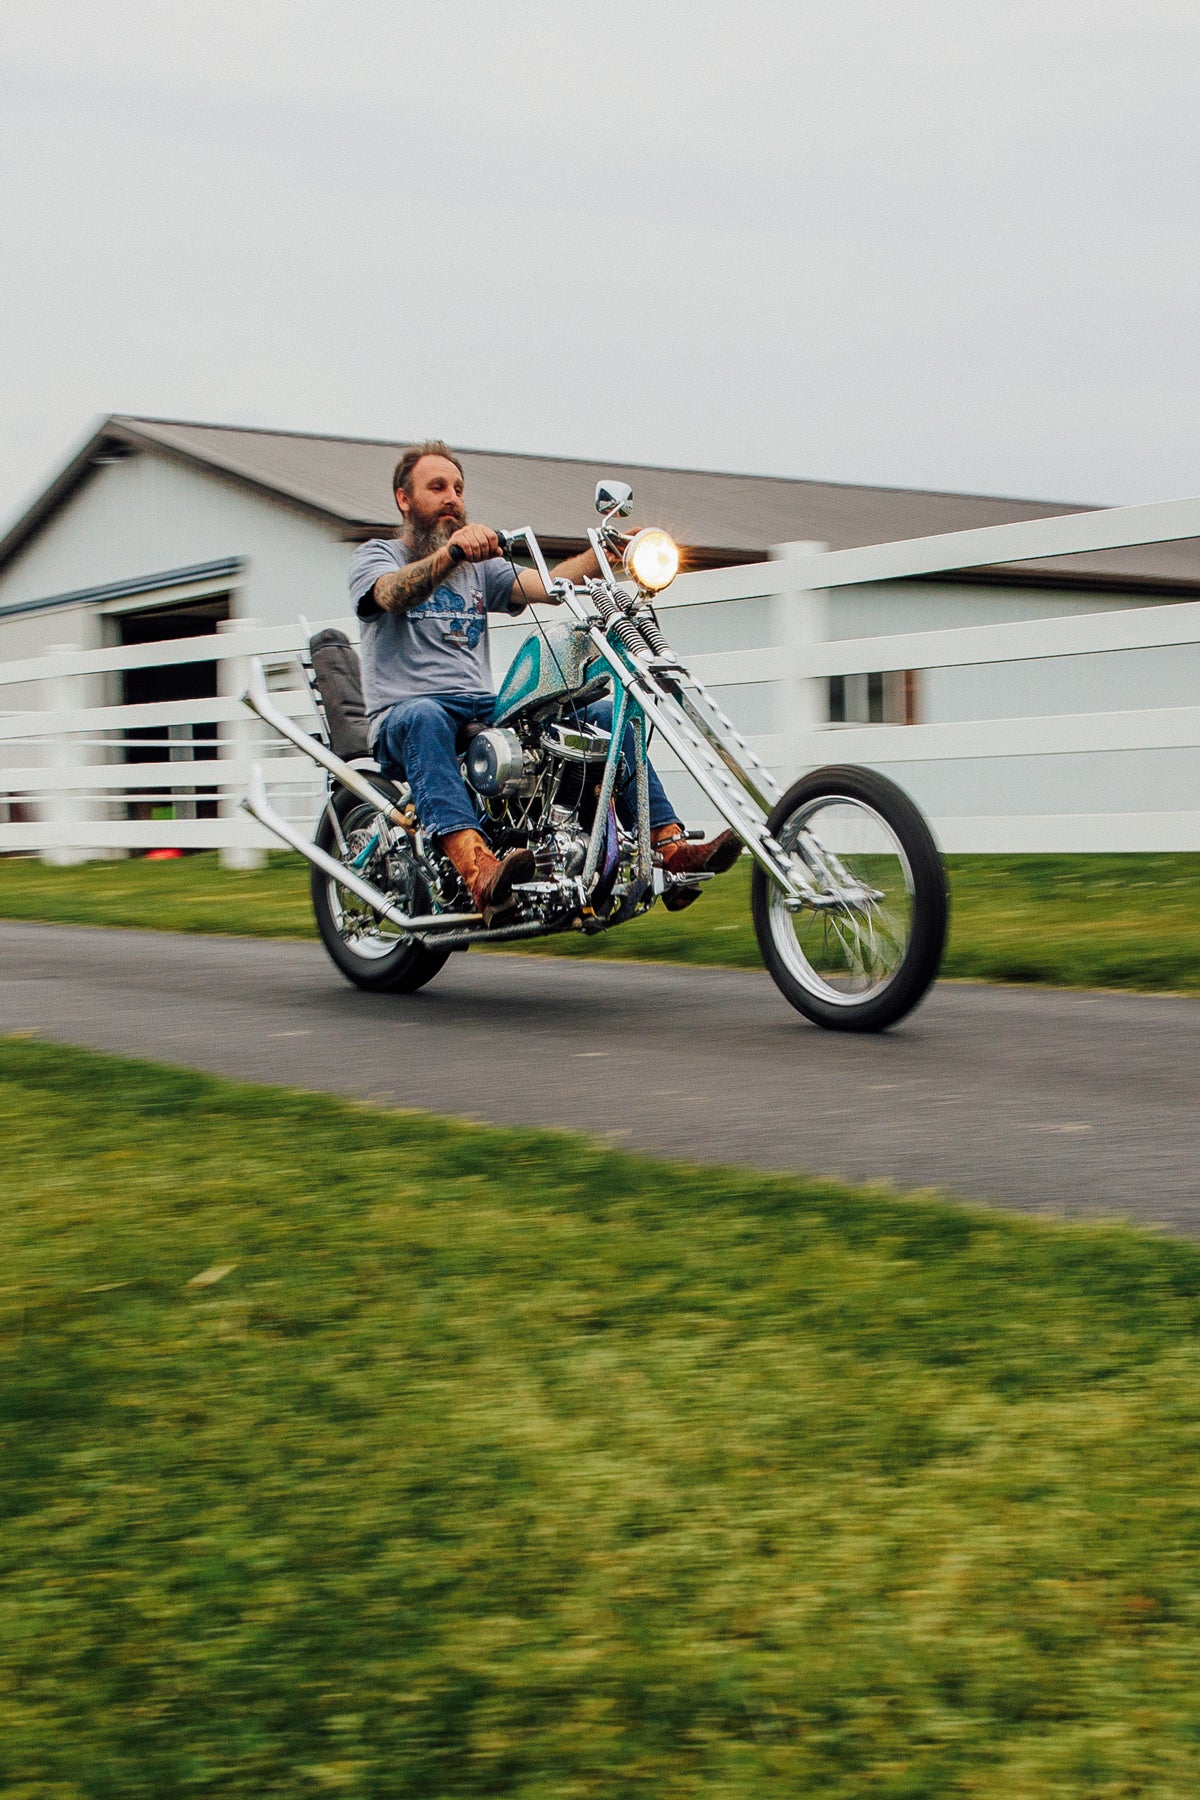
(1078, 921)
(192, 894)
(353, 1453)
(1073, 921)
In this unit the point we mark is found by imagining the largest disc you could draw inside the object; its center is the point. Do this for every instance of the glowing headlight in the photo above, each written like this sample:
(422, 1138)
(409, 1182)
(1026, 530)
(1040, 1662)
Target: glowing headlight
(652, 558)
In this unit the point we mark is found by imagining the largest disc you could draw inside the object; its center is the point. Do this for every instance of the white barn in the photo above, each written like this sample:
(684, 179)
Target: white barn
(165, 529)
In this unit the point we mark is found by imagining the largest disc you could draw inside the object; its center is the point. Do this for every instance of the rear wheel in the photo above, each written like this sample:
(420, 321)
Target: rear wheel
(867, 949)
(370, 951)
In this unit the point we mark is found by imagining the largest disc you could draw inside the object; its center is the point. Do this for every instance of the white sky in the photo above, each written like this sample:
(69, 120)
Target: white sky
(944, 243)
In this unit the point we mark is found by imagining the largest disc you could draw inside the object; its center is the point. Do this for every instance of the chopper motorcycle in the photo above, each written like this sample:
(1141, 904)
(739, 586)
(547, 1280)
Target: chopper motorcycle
(848, 892)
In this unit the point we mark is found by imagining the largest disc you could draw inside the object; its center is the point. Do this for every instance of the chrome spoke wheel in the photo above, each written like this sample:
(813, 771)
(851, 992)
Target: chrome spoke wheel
(370, 951)
(853, 941)
(360, 928)
(864, 944)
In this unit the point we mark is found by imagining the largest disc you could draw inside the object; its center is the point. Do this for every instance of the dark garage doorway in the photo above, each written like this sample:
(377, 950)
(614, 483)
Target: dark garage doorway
(170, 681)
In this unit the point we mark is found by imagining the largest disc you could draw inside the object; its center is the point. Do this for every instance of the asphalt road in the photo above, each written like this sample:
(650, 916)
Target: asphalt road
(1060, 1102)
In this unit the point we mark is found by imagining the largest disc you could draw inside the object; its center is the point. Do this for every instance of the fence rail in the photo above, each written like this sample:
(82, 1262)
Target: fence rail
(69, 784)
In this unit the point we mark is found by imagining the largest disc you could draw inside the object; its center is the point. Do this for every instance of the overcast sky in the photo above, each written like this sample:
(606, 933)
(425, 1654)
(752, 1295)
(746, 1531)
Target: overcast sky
(940, 243)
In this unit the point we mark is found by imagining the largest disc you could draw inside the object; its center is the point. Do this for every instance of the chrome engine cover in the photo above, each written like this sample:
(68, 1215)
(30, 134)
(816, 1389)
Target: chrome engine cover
(581, 743)
(564, 851)
(495, 762)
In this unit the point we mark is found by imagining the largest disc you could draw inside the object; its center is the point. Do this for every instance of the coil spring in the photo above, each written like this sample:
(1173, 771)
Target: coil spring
(635, 626)
(647, 624)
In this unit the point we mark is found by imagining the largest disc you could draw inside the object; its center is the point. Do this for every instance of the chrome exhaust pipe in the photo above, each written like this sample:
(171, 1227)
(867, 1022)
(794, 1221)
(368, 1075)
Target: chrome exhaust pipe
(259, 701)
(462, 940)
(260, 808)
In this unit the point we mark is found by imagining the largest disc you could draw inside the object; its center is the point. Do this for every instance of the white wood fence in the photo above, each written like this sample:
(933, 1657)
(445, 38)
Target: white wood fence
(68, 790)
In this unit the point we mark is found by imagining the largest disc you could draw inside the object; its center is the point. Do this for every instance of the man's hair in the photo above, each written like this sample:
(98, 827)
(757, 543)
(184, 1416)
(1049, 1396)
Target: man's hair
(413, 455)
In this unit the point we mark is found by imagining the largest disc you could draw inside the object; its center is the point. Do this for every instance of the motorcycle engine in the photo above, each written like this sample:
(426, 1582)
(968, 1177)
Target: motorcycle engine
(564, 850)
(496, 763)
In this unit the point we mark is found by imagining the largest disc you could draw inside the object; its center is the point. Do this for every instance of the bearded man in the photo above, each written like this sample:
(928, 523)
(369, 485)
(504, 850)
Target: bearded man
(422, 599)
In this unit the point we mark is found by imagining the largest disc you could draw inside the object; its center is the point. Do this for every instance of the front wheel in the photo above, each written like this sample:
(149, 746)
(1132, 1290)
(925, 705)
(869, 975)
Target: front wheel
(865, 949)
(369, 950)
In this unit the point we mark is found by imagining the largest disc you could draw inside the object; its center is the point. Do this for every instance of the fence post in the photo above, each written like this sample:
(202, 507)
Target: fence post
(801, 619)
(63, 808)
(182, 750)
(239, 740)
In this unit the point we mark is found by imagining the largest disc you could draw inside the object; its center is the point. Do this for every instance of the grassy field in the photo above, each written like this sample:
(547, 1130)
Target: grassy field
(1074, 921)
(354, 1453)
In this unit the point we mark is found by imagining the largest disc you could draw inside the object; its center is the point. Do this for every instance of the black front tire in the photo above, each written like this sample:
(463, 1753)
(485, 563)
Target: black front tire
(857, 966)
(368, 950)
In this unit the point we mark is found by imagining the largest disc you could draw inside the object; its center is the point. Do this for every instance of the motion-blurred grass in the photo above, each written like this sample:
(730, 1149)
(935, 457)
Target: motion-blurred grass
(343, 1452)
(1074, 921)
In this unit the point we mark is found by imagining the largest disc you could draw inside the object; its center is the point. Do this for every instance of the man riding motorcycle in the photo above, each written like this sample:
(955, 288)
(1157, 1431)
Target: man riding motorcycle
(422, 600)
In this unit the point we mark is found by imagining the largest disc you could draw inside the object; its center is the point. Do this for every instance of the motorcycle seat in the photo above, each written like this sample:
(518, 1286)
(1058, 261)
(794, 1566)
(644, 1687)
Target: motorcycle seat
(466, 732)
(338, 679)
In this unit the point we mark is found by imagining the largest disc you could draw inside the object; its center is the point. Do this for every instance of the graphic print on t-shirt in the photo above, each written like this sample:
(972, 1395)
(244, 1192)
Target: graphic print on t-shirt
(462, 617)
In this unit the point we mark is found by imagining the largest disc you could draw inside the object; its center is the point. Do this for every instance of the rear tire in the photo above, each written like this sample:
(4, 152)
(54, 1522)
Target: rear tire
(857, 966)
(368, 950)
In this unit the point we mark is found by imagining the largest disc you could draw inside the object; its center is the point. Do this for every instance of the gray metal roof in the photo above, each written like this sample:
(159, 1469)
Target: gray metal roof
(722, 518)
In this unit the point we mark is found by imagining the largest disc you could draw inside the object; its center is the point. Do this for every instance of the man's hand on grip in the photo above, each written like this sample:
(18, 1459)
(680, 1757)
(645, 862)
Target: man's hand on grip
(477, 542)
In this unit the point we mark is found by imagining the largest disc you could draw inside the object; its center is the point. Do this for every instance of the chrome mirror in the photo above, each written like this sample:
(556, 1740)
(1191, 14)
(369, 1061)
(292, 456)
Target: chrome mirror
(614, 497)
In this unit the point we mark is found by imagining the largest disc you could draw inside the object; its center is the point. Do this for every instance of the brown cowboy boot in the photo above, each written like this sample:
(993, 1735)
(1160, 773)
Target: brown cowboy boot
(488, 878)
(677, 854)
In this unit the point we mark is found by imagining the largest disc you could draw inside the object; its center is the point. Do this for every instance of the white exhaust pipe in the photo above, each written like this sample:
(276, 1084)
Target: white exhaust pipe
(260, 808)
(259, 701)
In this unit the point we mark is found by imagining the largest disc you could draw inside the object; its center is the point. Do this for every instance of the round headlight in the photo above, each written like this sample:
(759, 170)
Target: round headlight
(652, 558)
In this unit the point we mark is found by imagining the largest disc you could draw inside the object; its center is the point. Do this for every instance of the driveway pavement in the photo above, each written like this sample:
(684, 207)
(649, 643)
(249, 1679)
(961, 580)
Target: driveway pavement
(1074, 1103)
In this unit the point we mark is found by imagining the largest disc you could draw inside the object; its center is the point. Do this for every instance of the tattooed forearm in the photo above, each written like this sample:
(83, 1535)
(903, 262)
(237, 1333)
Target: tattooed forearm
(411, 584)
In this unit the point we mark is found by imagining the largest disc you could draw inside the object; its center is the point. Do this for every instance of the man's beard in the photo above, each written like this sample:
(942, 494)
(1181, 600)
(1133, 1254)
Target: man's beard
(423, 538)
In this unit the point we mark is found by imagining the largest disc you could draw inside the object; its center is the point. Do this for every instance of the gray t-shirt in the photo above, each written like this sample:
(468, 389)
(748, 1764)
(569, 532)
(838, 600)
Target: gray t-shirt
(439, 646)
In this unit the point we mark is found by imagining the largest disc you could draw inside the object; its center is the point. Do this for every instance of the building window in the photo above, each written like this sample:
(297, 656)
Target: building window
(888, 697)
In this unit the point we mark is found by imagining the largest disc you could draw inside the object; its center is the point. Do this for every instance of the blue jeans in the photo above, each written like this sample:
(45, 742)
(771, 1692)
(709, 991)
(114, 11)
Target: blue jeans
(416, 744)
